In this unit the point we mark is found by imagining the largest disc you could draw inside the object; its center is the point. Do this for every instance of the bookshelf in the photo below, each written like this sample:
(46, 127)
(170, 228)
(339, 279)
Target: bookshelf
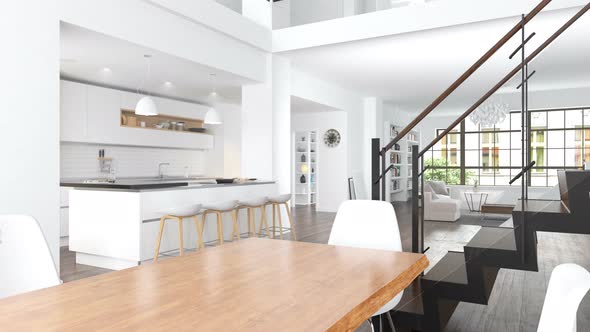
(399, 179)
(306, 167)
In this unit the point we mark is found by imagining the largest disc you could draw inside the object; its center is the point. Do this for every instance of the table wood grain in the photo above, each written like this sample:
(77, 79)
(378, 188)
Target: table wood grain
(252, 285)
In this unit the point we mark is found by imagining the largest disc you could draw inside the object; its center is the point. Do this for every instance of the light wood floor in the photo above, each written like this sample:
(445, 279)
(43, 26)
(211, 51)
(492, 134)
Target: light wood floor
(516, 300)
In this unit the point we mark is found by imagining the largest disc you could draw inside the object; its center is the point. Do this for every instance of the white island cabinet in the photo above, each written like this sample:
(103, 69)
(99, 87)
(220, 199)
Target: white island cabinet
(117, 229)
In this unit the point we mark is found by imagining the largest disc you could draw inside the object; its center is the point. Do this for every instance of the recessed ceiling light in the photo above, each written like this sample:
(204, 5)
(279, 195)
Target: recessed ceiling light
(168, 83)
(107, 70)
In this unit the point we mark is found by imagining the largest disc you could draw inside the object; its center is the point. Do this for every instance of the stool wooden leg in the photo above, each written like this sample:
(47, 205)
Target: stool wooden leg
(280, 221)
(263, 220)
(274, 227)
(199, 233)
(236, 231)
(250, 230)
(248, 221)
(157, 253)
(220, 227)
(291, 225)
(252, 221)
(180, 236)
(204, 220)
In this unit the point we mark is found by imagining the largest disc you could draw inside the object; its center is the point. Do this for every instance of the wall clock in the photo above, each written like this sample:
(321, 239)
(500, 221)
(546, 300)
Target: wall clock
(332, 138)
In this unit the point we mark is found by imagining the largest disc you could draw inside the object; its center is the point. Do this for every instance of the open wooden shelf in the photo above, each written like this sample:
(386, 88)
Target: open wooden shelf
(131, 120)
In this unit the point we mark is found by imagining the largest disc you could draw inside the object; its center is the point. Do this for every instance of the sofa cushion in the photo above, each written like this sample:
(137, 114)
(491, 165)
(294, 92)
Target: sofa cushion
(428, 189)
(439, 187)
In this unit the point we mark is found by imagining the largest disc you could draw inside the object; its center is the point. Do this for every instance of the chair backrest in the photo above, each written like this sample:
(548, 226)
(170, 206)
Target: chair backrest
(366, 224)
(25, 260)
(568, 285)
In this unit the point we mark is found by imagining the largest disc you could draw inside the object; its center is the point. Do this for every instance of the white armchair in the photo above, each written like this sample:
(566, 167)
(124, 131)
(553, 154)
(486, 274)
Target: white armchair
(443, 208)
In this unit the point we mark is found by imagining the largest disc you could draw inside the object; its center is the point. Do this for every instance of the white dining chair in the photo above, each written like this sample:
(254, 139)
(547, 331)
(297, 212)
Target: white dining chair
(371, 225)
(26, 263)
(568, 285)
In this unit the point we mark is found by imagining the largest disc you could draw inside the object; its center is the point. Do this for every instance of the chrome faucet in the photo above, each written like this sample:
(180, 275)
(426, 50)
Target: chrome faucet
(160, 173)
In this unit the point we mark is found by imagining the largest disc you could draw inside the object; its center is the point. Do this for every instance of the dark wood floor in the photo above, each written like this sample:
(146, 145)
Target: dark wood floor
(517, 298)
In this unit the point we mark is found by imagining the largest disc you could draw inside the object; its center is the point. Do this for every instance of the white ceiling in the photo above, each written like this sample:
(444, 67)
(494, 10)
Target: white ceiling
(85, 54)
(411, 70)
(303, 106)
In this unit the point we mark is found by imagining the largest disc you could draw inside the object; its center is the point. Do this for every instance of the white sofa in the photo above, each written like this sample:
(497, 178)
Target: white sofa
(443, 208)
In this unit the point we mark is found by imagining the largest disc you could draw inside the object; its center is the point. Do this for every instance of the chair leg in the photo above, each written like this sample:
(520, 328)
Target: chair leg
(390, 321)
(180, 236)
(220, 227)
(291, 225)
(199, 233)
(280, 221)
(236, 231)
(157, 253)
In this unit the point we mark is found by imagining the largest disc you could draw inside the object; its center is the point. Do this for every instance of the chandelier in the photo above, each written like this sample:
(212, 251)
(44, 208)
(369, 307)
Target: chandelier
(489, 114)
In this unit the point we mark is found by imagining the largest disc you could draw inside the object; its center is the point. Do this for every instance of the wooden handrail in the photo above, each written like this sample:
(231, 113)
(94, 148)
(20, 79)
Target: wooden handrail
(507, 78)
(465, 76)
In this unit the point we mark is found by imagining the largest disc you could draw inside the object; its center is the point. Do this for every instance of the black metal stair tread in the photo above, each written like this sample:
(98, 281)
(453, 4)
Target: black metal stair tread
(497, 238)
(450, 269)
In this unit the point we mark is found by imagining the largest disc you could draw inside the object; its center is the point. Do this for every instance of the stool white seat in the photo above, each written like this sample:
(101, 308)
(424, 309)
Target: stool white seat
(179, 214)
(280, 198)
(276, 202)
(219, 208)
(223, 206)
(251, 204)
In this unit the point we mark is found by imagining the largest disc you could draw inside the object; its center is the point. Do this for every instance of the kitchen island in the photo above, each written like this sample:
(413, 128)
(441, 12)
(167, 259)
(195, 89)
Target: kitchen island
(115, 225)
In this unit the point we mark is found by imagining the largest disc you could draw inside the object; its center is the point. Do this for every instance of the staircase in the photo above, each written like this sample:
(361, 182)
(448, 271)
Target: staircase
(469, 276)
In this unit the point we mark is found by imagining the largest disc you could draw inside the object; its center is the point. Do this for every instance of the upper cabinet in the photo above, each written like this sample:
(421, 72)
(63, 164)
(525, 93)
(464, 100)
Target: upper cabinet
(73, 116)
(99, 119)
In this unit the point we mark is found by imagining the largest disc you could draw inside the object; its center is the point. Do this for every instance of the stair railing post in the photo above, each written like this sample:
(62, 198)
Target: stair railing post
(375, 171)
(416, 242)
(525, 131)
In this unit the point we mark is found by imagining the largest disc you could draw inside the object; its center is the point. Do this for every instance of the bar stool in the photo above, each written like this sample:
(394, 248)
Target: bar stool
(219, 208)
(179, 214)
(276, 203)
(251, 205)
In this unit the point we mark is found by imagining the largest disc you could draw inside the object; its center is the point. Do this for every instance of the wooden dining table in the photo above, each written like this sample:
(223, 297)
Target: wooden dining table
(247, 285)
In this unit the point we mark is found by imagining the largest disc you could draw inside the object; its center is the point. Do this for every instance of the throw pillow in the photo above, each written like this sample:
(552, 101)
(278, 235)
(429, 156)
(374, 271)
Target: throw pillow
(439, 187)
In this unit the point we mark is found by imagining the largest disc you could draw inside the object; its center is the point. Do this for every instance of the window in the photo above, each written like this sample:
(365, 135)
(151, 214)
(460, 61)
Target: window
(560, 139)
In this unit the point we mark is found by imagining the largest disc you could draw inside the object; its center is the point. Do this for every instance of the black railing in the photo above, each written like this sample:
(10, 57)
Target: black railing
(522, 172)
(379, 169)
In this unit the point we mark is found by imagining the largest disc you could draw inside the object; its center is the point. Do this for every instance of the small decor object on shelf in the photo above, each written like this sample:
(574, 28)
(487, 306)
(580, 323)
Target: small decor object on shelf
(332, 138)
(303, 158)
(302, 179)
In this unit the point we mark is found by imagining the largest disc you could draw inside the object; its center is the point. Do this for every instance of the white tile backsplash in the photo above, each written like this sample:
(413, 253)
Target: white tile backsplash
(80, 160)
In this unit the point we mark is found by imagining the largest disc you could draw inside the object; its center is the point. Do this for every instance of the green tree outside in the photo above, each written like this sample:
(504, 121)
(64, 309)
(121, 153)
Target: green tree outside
(447, 175)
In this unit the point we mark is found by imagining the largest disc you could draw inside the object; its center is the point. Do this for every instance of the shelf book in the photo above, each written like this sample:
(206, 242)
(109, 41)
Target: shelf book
(305, 163)
(399, 179)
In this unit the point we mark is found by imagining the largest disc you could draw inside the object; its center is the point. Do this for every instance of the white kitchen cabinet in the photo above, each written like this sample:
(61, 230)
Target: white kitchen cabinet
(104, 116)
(64, 212)
(101, 120)
(73, 112)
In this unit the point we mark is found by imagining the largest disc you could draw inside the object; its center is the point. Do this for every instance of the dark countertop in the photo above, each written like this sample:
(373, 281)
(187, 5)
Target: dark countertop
(148, 184)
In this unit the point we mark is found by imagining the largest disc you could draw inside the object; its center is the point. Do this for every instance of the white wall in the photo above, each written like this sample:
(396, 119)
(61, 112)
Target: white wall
(78, 160)
(232, 140)
(309, 87)
(332, 174)
(435, 14)
(281, 122)
(29, 104)
(133, 21)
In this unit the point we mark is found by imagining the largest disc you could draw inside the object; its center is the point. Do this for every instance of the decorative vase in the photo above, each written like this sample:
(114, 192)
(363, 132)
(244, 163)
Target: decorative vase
(303, 158)
(302, 178)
